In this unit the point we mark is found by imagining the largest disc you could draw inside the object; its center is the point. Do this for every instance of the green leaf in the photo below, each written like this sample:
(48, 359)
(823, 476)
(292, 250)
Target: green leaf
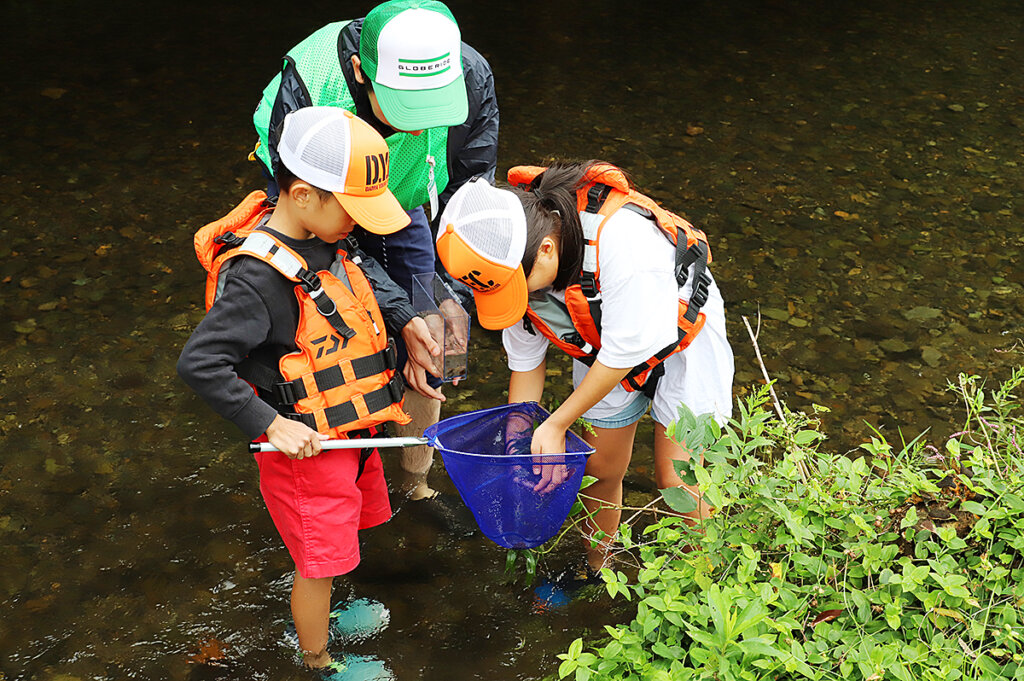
(806, 437)
(679, 499)
(686, 420)
(685, 470)
(910, 519)
(973, 507)
(759, 646)
(510, 560)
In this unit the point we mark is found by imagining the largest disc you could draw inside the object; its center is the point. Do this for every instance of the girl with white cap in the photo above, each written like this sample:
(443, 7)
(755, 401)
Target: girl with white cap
(574, 255)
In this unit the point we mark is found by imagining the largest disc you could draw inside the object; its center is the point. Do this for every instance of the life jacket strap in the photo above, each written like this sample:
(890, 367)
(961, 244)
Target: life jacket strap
(696, 255)
(574, 338)
(655, 372)
(596, 197)
(229, 239)
(348, 412)
(313, 287)
(687, 256)
(290, 392)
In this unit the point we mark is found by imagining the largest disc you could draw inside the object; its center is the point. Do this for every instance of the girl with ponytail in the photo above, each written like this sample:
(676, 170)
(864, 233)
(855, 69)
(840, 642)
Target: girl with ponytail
(573, 255)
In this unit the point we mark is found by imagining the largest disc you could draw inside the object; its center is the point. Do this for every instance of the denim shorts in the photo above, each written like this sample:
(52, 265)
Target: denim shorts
(629, 415)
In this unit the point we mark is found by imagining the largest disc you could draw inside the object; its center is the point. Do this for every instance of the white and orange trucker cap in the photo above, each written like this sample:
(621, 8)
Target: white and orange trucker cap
(481, 243)
(334, 150)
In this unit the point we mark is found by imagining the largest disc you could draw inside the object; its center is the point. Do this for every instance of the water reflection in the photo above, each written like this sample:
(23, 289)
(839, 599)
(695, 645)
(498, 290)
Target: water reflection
(857, 166)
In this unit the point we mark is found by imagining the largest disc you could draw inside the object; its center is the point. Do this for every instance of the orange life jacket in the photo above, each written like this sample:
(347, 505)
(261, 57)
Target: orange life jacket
(342, 376)
(605, 191)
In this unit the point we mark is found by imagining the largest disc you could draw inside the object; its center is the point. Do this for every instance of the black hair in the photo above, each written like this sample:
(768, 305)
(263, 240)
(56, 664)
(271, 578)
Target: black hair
(286, 178)
(550, 206)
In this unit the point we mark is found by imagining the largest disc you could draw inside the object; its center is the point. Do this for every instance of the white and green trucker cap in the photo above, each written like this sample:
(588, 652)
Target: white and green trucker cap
(412, 51)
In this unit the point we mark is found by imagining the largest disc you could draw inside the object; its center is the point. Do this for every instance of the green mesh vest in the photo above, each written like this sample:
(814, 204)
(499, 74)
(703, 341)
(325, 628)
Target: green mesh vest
(419, 163)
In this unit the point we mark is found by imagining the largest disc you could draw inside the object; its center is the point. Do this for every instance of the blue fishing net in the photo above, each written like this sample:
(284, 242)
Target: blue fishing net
(487, 456)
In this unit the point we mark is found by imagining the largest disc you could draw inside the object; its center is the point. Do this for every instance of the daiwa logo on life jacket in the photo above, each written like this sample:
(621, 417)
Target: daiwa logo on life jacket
(321, 345)
(473, 279)
(377, 170)
(418, 68)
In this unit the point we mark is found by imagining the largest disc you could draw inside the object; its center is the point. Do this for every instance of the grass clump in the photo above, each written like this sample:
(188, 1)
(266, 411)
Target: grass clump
(902, 561)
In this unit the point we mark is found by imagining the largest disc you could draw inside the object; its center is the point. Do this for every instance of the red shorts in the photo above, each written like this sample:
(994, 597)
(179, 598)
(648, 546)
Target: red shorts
(318, 506)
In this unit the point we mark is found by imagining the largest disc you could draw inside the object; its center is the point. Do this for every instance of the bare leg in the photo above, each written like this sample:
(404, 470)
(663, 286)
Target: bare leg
(416, 461)
(667, 450)
(311, 609)
(608, 464)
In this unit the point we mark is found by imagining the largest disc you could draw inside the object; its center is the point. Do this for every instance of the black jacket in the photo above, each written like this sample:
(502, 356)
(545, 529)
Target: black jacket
(472, 146)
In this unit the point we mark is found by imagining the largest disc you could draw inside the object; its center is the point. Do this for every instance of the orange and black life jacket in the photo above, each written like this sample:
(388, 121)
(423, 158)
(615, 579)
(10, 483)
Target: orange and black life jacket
(605, 191)
(342, 376)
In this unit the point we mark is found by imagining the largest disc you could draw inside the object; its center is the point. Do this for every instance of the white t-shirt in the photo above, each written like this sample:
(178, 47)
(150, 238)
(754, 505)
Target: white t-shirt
(639, 313)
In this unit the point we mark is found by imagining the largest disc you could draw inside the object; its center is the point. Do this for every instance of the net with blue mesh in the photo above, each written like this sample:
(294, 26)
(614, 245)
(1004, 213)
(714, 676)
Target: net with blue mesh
(487, 456)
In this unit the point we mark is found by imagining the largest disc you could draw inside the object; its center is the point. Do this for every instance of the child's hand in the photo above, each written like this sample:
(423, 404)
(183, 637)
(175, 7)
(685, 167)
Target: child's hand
(548, 439)
(421, 349)
(295, 439)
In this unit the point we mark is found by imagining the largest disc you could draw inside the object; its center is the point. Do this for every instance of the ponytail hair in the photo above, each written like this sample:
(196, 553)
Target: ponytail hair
(550, 206)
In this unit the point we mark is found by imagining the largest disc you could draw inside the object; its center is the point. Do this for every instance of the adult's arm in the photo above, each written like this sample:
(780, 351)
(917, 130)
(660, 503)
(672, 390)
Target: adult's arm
(291, 96)
(473, 146)
(392, 299)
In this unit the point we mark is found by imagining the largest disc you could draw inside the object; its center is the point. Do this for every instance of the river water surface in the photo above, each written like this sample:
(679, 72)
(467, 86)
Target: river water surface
(857, 166)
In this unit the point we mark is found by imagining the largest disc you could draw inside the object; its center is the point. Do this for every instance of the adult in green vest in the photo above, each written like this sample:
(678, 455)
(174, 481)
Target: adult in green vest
(404, 70)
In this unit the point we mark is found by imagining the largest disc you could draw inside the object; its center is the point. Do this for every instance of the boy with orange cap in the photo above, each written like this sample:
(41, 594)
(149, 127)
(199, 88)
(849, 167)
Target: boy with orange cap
(288, 294)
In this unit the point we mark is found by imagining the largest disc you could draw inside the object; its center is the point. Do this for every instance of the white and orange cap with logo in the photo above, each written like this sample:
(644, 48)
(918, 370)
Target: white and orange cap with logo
(333, 150)
(481, 243)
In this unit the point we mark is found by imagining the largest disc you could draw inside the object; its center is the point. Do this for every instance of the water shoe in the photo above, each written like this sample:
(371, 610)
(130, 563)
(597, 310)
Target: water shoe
(557, 593)
(357, 621)
(355, 668)
(352, 622)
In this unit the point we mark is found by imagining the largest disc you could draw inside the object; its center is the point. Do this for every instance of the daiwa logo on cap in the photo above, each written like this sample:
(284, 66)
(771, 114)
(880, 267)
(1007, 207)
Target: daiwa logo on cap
(377, 170)
(417, 68)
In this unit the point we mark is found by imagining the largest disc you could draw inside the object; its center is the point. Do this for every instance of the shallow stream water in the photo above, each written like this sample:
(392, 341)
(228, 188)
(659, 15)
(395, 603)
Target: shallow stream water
(858, 166)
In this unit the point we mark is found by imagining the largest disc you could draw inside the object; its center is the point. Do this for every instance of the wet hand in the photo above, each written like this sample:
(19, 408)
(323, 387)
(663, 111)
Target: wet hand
(421, 349)
(296, 440)
(549, 438)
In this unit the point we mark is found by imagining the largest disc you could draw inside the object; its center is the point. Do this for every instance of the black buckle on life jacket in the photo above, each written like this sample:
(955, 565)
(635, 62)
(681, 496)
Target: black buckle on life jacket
(688, 256)
(312, 285)
(588, 284)
(284, 392)
(308, 419)
(229, 239)
(351, 246)
(700, 290)
(390, 355)
(396, 388)
(596, 196)
(574, 338)
(310, 280)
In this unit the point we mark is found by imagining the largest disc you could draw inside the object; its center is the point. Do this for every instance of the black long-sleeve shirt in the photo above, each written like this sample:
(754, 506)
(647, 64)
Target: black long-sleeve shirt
(256, 315)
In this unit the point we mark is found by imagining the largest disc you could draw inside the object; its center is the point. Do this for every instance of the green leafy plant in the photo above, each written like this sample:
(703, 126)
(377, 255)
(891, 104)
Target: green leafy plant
(901, 562)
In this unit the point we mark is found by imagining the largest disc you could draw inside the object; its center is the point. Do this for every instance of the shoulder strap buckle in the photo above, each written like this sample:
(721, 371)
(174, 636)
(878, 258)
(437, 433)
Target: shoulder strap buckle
(588, 285)
(596, 196)
(229, 239)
